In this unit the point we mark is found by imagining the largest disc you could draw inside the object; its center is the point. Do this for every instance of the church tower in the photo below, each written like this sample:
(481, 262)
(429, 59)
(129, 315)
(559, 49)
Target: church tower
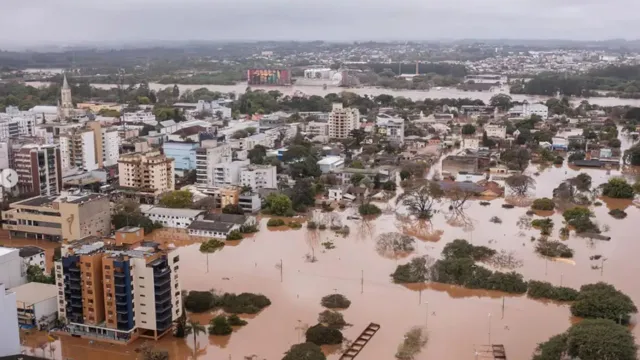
(66, 103)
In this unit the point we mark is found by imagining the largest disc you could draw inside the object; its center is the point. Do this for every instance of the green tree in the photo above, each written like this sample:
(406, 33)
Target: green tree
(240, 134)
(304, 351)
(251, 130)
(257, 154)
(36, 274)
(232, 209)
(178, 199)
(618, 188)
(544, 204)
(356, 179)
(323, 335)
(501, 101)
(356, 164)
(195, 328)
(220, 326)
(279, 204)
(235, 235)
(303, 195)
(468, 129)
(603, 301)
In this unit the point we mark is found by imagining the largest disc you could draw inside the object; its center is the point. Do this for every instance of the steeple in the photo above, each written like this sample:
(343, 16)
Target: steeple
(65, 84)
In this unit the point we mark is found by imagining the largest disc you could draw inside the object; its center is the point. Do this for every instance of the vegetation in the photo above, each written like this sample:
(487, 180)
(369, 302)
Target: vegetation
(220, 326)
(369, 209)
(632, 155)
(199, 301)
(36, 274)
(212, 245)
(235, 235)
(414, 340)
(394, 244)
(576, 156)
(554, 249)
(332, 319)
(304, 351)
(603, 301)
(194, 328)
(249, 227)
(545, 290)
(618, 214)
(415, 271)
(323, 335)
(294, 225)
(312, 225)
(335, 301)
(420, 197)
(580, 219)
(244, 303)
(468, 129)
(178, 199)
(618, 188)
(234, 320)
(459, 249)
(232, 209)
(278, 204)
(545, 225)
(543, 204)
(127, 213)
(516, 158)
(275, 222)
(520, 184)
(596, 339)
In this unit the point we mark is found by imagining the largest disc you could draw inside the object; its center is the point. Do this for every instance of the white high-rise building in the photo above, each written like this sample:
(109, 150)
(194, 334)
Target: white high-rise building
(11, 274)
(78, 150)
(259, 177)
(207, 157)
(225, 174)
(9, 331)
(110, 146)
(342, 121)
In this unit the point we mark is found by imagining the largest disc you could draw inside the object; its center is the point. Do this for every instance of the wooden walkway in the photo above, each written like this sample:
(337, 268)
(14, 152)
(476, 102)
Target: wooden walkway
(360, 342)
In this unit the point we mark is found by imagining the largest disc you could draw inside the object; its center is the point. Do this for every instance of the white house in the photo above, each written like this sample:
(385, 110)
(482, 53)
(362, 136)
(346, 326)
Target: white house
(32, 255)
(37, 304)
(9, 331)
(496, 131)
(470, 143)
(173, 218)
(335, 194)
(331, 164)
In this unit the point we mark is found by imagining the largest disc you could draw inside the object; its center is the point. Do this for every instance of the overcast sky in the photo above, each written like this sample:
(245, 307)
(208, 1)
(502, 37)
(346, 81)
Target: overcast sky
(67, 22)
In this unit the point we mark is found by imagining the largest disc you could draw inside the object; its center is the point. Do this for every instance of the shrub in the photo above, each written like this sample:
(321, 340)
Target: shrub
(559, 160)
(510, 282)
(544, 204)
(234, 235)
(332, 319)
(618, 188)
(618, 214)
(275, 222)
(335, 301)
(199, 301)
(294, 225)
(211, 245)
(485, 203)
(244, 303)
(369, 209)
(464, 272)
(496, 220)
(545, 290)
(323, 335)
(603, 301)
(312, 225)
(220, 326)
(414, 340)
(234, 320)
(249, 228)
(554, 249)
(580, 219)
(322, 227)
(545, 225)
(305, 351)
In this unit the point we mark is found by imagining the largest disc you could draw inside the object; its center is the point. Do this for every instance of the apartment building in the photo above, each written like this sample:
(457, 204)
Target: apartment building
(342, 121)
(184, 154)
(9, 331)
(140, 117)
(106, 143)
(391, 128)
(78, 149)
(39, 169)
(55, 218)
(526, 110)
(119, 289)
(207, 157)
(259, 177)
(225, 174)
(314, 128)
(150, 172)
(496, 131)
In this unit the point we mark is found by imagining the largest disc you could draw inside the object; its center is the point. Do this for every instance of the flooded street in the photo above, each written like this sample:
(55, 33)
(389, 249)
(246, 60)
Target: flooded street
(458, 320)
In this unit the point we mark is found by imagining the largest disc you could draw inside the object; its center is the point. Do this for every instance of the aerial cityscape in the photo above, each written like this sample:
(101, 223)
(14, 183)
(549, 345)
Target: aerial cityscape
(184, 197)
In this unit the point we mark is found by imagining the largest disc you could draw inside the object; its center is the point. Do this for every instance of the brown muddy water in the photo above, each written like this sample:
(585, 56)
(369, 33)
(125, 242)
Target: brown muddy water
(458, 320)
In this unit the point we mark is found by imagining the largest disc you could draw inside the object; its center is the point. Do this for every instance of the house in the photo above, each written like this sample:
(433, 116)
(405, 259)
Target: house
(454, 164)
(211, 229)
(491, 189)
(526, 110)
(37, 305)
(384, 173)
(358, 192)
(470, 143)
(559, 143)
(331, 164)
(250, 202)
(32, 255)
(173, 218)
(335, 194)
(465, 186)
(496, 131)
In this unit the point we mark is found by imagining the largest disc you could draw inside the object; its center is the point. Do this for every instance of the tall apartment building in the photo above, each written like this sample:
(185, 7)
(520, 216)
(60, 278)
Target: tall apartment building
(228, 173)
(150, 172)
(118, 289)
(69, 217)
(78, 149)
(39, 169)
(207, 156)
(342, 121)
(391, 128)
(259, 177)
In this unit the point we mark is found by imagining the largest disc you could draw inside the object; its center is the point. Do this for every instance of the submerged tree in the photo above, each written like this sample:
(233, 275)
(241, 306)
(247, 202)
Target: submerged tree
(420, 197)
(520, 184)
(414, 340)
(415, 271)
(392, 244)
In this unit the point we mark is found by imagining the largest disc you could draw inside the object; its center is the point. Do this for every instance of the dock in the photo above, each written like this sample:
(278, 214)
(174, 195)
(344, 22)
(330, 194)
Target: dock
(360, 342)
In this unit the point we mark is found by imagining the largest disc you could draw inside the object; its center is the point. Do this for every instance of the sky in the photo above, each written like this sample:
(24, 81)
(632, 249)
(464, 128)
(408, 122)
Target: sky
(72, 22)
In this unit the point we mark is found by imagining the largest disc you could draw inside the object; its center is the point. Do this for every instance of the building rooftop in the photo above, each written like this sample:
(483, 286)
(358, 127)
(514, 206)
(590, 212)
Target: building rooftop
(34, 292)
(37, 201)
(211, 226)
(330, 160)
(227, 218)
(29, 251)
(129, 229)
(6, 250)
(157, 210)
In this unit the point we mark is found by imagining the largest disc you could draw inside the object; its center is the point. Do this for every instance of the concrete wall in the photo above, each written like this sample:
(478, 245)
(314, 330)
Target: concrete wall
(144, 296)
(9, 331)
(11, 268)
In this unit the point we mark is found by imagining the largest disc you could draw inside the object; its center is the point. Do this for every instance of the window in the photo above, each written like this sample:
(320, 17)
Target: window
(143, 313)
(141, 295)
(141, 278)
(144, 322)
(110, 312)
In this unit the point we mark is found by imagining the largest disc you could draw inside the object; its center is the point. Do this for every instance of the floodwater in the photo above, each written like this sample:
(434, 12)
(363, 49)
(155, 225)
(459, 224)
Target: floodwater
(439, 93)
(276, 264)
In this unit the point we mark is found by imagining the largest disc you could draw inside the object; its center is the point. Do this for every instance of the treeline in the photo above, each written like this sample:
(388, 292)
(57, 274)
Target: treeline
(618, 80)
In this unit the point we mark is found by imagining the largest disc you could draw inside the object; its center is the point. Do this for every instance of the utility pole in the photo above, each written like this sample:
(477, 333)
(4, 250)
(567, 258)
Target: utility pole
(361, 281)
(503, 307)
(280, 270)
(426, 322)
(489, 329)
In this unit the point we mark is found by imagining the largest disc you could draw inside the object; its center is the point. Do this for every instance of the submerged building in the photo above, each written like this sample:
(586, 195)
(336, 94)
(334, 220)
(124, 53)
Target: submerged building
(120, 289)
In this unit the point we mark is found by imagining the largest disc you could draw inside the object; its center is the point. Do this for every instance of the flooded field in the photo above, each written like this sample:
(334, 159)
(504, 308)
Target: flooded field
(458, 320)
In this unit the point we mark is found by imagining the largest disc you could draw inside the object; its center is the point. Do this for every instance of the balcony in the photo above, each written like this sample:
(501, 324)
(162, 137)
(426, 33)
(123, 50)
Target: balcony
(162, 299)
(162, 282)
(119, 275)
(163, 318)
(160, 272)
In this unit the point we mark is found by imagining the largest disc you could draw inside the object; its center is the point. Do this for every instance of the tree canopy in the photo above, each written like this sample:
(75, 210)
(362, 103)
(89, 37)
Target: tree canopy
(304, 351)
(603, 301)
(178, 199)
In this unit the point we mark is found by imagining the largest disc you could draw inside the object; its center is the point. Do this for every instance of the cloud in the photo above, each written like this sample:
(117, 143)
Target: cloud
(60, 22)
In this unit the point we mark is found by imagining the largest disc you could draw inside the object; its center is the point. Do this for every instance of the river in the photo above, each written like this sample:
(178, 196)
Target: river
(439, 93)
(457, 319)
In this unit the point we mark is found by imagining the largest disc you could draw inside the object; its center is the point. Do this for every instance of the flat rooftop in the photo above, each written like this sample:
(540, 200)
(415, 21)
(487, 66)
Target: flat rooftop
(6, 250)
(33, 292)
